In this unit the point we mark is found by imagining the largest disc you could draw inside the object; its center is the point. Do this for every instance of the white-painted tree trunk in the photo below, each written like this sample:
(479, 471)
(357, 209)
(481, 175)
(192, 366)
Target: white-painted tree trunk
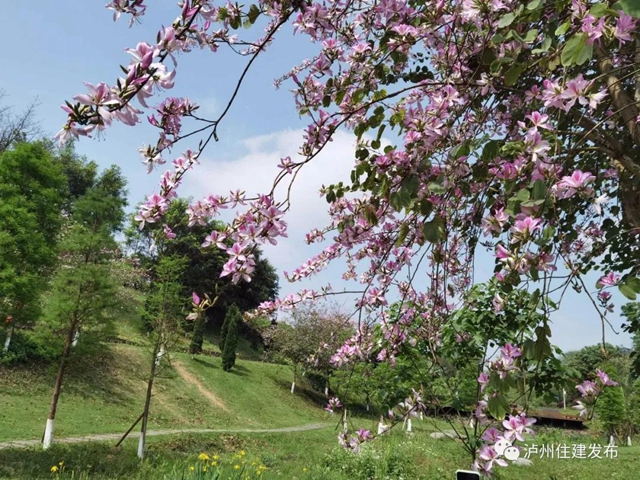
(421, 416)
(293, 386)
(48, 434)
(326, 391)
(141, 445)
(76, 336)
(409, 426)
(611, 440)
(564, 398)
(7, 341)
(159, 355)
(628, 441)
(344, 420)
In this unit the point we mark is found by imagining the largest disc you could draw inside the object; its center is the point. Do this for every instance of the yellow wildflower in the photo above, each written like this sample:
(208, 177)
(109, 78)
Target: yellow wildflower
(215, 457)
(213, 464)
(61, 463)
(236, 467)
(203, 456)
(192, 468)
(305, 469)
(242, 452)
(204, 469)
(54, 469)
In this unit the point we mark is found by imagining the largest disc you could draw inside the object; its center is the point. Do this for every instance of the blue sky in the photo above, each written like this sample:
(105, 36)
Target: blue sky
(51, 48)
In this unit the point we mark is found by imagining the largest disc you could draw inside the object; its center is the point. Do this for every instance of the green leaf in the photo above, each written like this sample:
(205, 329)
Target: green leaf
(548, 233)
(563, 28)
(633, 283)
(425, 207)
(539, 190)
(434, 231)
(498, 407)
(404, 231)
(512, 75)
(627, 291)
(523, 195)
(254, 13)
(533, 203)
(498, 38)
(436, 188)
(506, 20)
(598, 10)
(358, 96)
(534, 5)
(576, 51)
(546, 44)
(531, 35)
(630, 7)
(491, 150)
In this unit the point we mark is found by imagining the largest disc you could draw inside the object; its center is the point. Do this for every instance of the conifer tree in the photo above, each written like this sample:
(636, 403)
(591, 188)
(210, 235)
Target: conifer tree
(232, 320)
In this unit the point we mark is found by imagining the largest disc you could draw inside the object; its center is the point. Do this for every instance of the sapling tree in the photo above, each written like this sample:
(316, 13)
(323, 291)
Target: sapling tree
(83, 288)
(164, 314)
(510, 127)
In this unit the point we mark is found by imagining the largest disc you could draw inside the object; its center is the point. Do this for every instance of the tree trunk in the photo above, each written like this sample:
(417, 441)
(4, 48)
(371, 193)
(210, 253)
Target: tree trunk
(48, 431)
(7, 340)
(147, 404)
(326, 387)
(293, 384)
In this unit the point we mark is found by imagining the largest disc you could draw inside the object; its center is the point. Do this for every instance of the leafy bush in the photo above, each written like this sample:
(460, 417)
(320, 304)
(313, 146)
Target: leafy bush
(26, 347)
(374, 461)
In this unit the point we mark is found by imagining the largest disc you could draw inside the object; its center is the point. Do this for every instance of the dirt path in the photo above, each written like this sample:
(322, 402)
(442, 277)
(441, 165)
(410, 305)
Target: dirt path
(188, 377)
(153, 433)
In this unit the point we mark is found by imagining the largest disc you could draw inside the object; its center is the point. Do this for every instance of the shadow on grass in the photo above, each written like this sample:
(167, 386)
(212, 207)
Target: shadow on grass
(205, 362)
(238, 371)
(91, 460)
(99, 378)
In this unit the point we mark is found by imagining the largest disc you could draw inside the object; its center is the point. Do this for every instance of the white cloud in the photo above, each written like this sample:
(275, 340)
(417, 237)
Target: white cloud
(254, 173)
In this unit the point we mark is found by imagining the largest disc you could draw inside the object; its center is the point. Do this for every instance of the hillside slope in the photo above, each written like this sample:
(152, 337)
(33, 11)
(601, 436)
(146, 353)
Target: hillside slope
(105, 394)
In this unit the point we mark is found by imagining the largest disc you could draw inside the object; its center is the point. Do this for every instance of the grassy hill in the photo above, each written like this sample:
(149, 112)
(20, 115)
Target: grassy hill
(105, 394)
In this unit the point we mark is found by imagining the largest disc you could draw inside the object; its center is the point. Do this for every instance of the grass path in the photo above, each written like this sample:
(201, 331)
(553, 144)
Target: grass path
(153, 433)
(188, 377)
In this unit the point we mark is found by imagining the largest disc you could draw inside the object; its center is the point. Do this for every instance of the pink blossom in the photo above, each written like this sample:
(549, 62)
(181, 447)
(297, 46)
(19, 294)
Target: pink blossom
(625, 25)
(578, 181)
(168, 232)
(502, 253)
(527, 226)
(587, 388)
(592, 29)
(609, 280)
(483, 380)
(604, 378)
(196, 298)
(498, 303)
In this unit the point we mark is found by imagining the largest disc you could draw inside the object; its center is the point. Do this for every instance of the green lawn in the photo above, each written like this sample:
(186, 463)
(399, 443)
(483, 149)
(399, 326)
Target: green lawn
(106, 394)
(302, 455)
